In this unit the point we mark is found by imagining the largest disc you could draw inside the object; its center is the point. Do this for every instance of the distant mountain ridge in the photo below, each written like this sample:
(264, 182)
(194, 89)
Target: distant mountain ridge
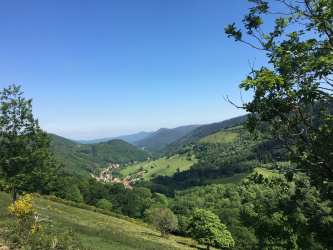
(165, 136)
(204, 131)
(82, 159)
(126, 138)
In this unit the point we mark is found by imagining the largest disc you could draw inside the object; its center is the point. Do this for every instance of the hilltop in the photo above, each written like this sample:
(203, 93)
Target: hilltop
(127, 138)
(85, 159)
(204, 131)
(164, 136)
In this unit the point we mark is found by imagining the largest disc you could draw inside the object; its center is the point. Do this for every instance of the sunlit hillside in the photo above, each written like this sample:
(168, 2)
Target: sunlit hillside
(94, 230)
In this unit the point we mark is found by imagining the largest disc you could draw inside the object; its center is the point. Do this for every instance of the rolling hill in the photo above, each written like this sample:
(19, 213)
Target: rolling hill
(164, 136)
(204, 131)
(83, 159)
(126, 138)
(227, 156)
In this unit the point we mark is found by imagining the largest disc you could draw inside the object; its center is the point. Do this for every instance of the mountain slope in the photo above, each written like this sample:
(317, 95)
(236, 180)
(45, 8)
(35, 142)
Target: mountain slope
(230, 152)
(204, 131)
(165, 136)
(83, 159)
(126, 138)
(234, 146)
(94, 230)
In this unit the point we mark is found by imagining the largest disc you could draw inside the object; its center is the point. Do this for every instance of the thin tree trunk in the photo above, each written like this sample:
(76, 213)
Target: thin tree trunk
(14, 196)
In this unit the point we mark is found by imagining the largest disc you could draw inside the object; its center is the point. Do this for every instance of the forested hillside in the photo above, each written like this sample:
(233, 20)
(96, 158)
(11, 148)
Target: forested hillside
(126, 138)
(251, 210)
(204, 131)
(164, 136)
(83, 159)
(223, 154)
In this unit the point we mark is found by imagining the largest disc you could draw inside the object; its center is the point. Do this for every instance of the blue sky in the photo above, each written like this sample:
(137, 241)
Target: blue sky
(105, 68)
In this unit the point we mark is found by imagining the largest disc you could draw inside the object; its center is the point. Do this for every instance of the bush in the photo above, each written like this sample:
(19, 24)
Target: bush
(23, 209)
(104, 204)
(28, 232)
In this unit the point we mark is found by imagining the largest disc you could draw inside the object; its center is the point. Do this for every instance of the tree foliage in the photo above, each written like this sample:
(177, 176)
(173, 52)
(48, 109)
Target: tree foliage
(104, 204)
(206, 228)
(26, 162)
(293, 98)
(164, 219)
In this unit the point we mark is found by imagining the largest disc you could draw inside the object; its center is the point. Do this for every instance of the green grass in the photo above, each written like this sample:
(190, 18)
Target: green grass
(239, 178)
(98, 231)
(161, 166)
(224, 136)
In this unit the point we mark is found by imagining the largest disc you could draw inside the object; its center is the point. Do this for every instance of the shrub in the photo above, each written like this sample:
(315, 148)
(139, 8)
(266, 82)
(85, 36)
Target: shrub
(23, 209)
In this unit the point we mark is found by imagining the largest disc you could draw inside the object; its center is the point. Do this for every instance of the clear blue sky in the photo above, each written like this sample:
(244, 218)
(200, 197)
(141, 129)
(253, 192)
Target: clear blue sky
(105, 68)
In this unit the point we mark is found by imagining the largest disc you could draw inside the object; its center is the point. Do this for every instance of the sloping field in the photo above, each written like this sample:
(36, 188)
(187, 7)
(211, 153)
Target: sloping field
(239, 178)
(161, 166)
(97, 231)
(224, 136)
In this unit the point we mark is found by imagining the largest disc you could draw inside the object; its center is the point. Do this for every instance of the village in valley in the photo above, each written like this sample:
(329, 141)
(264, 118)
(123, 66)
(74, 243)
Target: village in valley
(105, 176)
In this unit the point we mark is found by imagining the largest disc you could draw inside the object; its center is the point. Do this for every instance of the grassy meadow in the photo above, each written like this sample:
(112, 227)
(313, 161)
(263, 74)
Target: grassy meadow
(97, 231)
(239, 178)
(224, 136)
(161, 166)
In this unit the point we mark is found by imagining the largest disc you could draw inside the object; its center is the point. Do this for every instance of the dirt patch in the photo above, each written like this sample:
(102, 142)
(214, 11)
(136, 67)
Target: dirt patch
(3, 247)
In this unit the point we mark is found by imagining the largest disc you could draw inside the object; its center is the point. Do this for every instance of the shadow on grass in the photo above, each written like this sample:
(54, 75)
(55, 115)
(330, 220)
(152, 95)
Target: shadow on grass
(191, 245)
(152, 235)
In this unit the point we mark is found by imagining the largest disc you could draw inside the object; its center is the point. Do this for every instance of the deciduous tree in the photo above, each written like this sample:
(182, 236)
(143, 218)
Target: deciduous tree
(104, 204)
(26, 161)
(206, 228)
(293, 98)
(164, 219)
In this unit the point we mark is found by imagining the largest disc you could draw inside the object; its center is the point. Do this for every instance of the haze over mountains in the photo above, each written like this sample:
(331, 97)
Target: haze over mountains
(150, 139)
(126, 138)
(83, 158)
(165, 138)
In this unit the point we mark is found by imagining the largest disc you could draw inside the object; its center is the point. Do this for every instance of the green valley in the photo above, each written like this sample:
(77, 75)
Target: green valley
(86, 159)
(242, 183)
(258, 181)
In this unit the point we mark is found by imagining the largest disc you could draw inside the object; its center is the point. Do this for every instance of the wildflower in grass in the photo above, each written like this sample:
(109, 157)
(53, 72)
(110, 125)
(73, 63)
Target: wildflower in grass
(33, 229)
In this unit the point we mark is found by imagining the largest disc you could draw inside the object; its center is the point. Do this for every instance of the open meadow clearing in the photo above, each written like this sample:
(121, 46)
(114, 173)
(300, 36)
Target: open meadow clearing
(161, 166)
